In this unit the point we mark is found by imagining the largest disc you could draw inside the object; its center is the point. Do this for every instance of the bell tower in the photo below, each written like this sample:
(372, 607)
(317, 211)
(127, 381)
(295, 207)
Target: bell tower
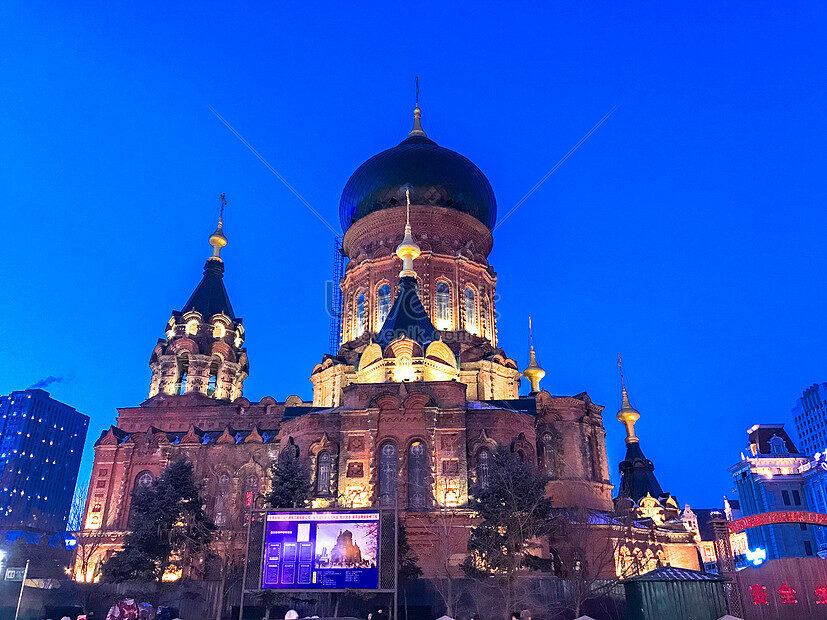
(203, 349)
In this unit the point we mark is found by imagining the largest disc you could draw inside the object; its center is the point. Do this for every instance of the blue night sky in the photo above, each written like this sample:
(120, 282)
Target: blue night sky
(686, 233)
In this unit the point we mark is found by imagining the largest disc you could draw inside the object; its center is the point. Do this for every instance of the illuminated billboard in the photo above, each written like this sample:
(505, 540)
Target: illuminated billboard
(329, 550)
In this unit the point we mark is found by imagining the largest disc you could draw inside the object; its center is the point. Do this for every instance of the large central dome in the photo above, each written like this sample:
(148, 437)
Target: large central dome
(435, 176)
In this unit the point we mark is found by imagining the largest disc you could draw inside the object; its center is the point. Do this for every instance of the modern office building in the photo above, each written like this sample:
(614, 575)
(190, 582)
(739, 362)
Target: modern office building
(769, 478)
(810, 415)
(41, 441)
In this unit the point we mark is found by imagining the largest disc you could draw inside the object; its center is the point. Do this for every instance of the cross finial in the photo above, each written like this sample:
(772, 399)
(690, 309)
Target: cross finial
(417, 126)
(223, 199)
(530, 334)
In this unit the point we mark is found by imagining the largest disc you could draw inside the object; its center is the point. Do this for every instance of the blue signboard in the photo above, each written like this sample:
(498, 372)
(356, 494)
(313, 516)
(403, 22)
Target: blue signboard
(330, 550)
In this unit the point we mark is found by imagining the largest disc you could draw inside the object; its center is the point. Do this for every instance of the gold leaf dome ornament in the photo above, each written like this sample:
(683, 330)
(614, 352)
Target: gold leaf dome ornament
(408, 250)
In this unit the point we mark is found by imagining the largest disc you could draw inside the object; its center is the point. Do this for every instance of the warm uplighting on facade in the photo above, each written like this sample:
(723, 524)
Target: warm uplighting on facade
(192, 327)
(173, 573)
(404, 369)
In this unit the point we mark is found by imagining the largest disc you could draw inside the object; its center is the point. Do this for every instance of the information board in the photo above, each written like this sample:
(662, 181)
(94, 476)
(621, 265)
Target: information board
(326, 550)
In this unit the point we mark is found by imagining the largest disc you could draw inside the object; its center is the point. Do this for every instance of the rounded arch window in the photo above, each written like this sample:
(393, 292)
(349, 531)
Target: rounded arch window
(549, 456)
(383, 303)
(484, 467)
(212, 382)
(442, 303)
(192, 327)
(219, 331)
(361, 313)
(470, 310)
(388, 473)
(417, 476)
(222, 499)
(324, 473)
(485, 315)
(144, 480)
(183, 370)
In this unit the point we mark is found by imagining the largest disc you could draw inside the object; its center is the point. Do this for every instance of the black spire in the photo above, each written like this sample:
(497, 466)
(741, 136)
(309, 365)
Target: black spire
(637, 475)
(407, 317)
(210, 297)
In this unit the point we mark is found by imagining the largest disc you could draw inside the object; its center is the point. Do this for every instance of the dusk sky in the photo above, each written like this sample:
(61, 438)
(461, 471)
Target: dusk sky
(687, 232)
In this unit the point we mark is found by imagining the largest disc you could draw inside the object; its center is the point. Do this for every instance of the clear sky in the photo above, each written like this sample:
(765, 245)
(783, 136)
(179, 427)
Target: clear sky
(687, 233)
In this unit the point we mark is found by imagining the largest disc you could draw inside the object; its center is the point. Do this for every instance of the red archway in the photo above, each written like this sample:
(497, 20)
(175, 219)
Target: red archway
(774, 518)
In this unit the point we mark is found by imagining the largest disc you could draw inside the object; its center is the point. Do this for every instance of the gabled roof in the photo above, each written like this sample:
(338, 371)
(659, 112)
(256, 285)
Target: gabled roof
(637, 477)
(407, 317)
(210, 297)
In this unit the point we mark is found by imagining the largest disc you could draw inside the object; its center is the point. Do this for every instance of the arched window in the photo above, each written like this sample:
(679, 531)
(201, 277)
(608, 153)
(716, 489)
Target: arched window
(383, 304)
(470, 310)
(249, 496)
(361, 314)
(485, 325)
(777, 445)
(483, 467)
(192, 327)
(212, 383)
(594, 460)
(549, 454)
(222, 499)
(143, 481)
(183, 368)
(324, 470)
(219, 331)
(388, 472)
(443, 305)
(417, 476)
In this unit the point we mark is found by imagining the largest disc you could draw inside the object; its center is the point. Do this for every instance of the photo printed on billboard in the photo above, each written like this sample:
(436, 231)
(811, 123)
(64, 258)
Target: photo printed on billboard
(328, 550)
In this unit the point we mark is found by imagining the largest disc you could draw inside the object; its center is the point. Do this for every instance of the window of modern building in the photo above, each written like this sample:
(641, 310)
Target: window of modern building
(443, 305)
(324, 465)
(388, 473)
(785, 497)
(417, 476)
(383, 303)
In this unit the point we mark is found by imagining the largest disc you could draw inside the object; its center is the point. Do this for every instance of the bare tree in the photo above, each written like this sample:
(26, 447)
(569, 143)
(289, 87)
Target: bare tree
(78, 506)
(87, 565)
(587, 544)
(448, 526)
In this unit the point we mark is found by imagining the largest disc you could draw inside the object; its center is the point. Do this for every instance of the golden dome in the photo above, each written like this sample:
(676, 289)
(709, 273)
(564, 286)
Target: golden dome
(218, 240)
(628, 415)
(533, 372)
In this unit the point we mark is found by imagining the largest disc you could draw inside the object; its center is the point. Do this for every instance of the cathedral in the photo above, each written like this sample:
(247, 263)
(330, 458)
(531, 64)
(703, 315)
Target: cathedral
(408, 411)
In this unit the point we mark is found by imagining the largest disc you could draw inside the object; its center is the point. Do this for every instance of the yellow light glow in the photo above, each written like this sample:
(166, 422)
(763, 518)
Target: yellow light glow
(404, 369)
(219, 331)
(192, 327)
(173, 573)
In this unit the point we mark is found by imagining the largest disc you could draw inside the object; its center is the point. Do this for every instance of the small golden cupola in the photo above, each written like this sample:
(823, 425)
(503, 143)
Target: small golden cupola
(408, 250)
(627, 415)
(217, 239)
(533, 372)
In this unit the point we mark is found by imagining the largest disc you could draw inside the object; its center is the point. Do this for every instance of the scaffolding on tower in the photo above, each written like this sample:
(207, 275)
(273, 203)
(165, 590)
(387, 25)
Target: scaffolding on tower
(336, 296)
